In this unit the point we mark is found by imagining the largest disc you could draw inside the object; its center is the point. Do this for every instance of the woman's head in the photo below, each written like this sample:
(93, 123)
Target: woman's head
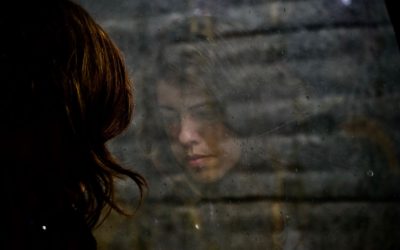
(66, 92)
(193, 118)
(199, 139)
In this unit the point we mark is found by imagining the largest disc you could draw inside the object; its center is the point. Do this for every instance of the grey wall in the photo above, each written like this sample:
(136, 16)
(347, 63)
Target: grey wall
(322, 163)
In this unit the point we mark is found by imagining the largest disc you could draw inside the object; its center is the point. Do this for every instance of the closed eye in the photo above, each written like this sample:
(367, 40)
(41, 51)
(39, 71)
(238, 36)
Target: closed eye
(206, 112)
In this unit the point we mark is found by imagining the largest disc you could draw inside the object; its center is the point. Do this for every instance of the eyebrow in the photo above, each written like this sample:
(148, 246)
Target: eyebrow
(193, 107)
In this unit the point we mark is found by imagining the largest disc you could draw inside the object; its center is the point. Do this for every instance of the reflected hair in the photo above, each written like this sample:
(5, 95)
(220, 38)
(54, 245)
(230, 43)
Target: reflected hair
(58, 66)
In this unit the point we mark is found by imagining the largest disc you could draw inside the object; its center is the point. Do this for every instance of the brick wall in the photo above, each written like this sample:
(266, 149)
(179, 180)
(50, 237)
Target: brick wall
(321, 157)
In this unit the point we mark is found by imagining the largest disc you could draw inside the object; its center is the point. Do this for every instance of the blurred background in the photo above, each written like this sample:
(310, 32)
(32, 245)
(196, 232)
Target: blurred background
(318, 101)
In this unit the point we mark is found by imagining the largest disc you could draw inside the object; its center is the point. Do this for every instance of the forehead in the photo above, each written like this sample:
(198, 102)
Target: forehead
(174, 95)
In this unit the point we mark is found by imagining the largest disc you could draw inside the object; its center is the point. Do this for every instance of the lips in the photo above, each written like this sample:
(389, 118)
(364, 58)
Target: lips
(198, 161)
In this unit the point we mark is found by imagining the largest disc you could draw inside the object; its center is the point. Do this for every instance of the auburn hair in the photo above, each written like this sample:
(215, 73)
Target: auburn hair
(66, 68)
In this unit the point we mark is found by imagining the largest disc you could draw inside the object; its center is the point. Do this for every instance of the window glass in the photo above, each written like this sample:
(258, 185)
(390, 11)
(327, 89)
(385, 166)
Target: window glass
(259, 124)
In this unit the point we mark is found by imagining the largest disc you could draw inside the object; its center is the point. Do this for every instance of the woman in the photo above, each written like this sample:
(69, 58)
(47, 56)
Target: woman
(65, 94)
(190, 112)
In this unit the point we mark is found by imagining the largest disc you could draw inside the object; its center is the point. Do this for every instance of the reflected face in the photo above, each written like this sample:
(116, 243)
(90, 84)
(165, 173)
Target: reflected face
(199, 140)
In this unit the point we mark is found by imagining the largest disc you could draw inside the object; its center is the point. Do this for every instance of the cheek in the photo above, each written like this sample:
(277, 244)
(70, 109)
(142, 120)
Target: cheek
(213, 136)
(172, 131)
(224, 143)
(177, 150)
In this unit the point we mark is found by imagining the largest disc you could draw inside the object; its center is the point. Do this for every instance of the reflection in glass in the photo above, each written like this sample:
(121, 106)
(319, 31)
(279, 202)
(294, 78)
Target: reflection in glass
(199, 140)
(303, 98)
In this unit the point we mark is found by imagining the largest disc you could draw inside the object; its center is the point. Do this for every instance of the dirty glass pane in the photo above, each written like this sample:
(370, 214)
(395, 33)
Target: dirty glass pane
(259, 124)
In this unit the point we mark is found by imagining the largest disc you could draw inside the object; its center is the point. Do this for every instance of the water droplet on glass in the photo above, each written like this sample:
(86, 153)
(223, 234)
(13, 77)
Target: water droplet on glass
(370, 173)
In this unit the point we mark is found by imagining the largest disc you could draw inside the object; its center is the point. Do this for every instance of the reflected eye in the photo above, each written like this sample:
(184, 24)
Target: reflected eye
(207, 112)
(200, 114)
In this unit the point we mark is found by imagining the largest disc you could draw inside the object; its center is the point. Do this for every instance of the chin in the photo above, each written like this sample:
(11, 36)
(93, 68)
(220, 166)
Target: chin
(205, 177)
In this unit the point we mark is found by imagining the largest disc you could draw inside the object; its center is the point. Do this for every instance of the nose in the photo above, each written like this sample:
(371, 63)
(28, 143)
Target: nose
(189, 132)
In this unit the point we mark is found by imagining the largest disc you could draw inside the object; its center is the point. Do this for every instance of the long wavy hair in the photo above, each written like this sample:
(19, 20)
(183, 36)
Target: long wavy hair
(66, 93)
